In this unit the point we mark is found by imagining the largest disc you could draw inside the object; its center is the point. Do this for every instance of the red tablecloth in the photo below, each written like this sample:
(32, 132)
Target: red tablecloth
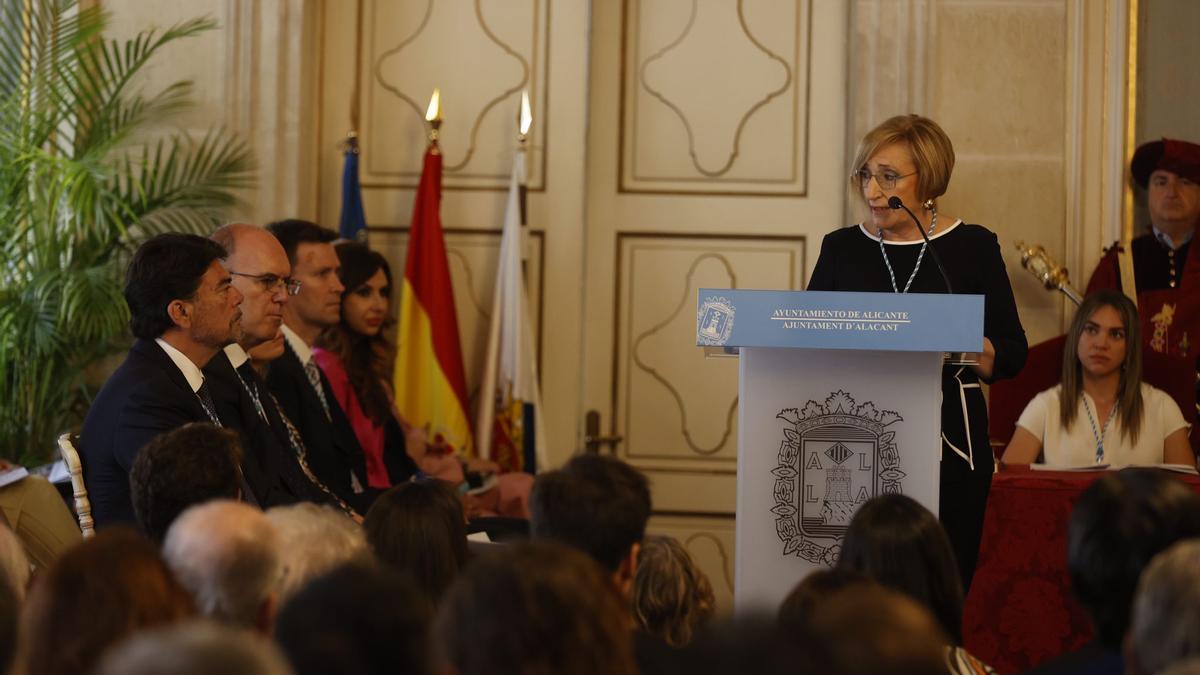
(1019, 611)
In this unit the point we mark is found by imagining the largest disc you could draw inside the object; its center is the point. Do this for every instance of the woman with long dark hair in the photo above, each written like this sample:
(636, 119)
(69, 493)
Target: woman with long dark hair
(898, 543)
(1102, 412)
(356, 356)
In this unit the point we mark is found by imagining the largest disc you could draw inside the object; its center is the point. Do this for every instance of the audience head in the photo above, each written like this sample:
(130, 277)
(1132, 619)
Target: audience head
(176, 283)
(1169, 170)
(190, 465)
(419, 528)
(1164, 626)
(196, 648)
(800, 604)
(1105, 324)
(312, 541)
(1119, 524)
(368, 281)
(535, 608)
(915, 152)
(597, 504)
(358, 619)
(94, 596)
(309, 248)
(358, 339)
(897, 542)
(262, 273)
(14, 564)
(747, 644)
(865, 630)
(227, 554)
(672, 597)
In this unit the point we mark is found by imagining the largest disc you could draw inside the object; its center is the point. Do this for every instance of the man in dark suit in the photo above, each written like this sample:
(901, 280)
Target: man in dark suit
(276, 463)
(183, 310)
(303, 392)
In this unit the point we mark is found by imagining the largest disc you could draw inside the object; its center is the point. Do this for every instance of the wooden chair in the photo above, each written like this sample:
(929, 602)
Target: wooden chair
(83, 507)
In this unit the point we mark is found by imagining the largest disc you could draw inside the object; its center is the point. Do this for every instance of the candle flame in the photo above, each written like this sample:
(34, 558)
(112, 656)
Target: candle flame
(434, 112)
(526, 114)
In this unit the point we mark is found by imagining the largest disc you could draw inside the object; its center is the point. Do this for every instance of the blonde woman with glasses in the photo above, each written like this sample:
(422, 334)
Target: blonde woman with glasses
(907, 160)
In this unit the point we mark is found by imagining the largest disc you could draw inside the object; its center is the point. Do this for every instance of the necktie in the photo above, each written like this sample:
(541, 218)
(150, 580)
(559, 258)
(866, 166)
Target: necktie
(206, 402)
(297, 444)
(314, 378)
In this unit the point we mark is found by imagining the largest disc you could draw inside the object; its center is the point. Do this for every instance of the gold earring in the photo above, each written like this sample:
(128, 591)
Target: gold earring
(928, 204)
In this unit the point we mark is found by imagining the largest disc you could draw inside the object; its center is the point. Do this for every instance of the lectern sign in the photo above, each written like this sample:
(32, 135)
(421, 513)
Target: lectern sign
(834, 456)
(839, 401)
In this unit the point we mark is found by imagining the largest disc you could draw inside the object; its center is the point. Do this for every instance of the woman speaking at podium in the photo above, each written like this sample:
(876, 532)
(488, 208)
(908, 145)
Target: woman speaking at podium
(900, 170)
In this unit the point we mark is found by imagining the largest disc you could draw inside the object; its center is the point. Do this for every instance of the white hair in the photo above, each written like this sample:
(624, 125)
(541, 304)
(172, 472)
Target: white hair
(196, 648)
(1165, 622)
(314, 539)
(227, 555)
(14, 565)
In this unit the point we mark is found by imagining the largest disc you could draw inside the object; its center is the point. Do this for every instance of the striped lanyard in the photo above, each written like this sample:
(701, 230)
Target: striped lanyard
(1099, 435)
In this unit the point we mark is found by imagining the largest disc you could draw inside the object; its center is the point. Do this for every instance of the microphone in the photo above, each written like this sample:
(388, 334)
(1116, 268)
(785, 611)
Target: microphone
(896, 203)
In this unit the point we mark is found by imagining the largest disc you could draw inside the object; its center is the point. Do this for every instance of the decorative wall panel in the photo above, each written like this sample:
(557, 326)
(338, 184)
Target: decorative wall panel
(480, 54)
(676, 409)
(472, 258)
(715, 96)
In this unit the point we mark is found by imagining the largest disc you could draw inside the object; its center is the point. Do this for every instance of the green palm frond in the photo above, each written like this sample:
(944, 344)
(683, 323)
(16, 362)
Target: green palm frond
(86, 173)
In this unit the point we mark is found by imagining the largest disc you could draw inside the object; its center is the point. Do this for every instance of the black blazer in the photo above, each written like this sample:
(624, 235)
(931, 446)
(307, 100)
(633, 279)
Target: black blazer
(146, 396)
(271, 468)
(333, 449)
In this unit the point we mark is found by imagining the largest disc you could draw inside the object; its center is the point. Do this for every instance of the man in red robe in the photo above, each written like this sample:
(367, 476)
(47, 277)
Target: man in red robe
(1166, 267)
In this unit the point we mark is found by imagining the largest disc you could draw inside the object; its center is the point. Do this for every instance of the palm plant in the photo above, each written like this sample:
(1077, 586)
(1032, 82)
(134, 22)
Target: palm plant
(83, 180)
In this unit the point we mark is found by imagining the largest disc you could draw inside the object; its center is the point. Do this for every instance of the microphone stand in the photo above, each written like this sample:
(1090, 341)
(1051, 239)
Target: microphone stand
(896, 203)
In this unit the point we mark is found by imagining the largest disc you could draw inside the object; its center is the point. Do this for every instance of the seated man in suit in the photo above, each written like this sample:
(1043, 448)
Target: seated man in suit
(183, 309)
(276, 462)
(303, 392)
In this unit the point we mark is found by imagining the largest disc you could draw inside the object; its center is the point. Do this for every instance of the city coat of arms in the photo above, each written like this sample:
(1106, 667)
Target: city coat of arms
(833, 457)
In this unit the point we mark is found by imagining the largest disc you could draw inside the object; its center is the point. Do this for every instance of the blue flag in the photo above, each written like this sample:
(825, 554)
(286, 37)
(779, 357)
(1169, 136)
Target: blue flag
(353, 222)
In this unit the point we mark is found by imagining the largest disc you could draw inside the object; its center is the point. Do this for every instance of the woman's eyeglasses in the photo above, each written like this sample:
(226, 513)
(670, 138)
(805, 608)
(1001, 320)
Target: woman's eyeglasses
(886, 180)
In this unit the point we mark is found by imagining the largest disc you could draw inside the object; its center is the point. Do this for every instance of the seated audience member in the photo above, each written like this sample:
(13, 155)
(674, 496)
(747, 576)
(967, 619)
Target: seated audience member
(227, 555)
(196, 648)
(1102, 412)
(1119, 524)
(93, 597)
(360, 619)
(419, 529)
(190, 465)
(302, 391)
(312, 541)
(672, 597)
(14, 565)
(276, 460)
(898, 543)
(866, 630)
(1164, 627)
(797, 608)
(356, 357)
(536, 607)
(599, 505)
(183, 310)
(39, 517)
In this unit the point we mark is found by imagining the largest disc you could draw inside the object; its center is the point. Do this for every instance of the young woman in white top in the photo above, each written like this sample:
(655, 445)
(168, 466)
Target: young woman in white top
(1102, 412)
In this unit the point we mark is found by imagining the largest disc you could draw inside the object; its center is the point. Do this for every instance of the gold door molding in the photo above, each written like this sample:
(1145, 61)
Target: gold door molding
(480, 54)
(670, 418)
(714, 97)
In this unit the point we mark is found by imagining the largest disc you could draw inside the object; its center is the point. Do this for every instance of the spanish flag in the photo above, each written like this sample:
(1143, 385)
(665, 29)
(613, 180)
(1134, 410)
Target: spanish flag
(431, 388)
